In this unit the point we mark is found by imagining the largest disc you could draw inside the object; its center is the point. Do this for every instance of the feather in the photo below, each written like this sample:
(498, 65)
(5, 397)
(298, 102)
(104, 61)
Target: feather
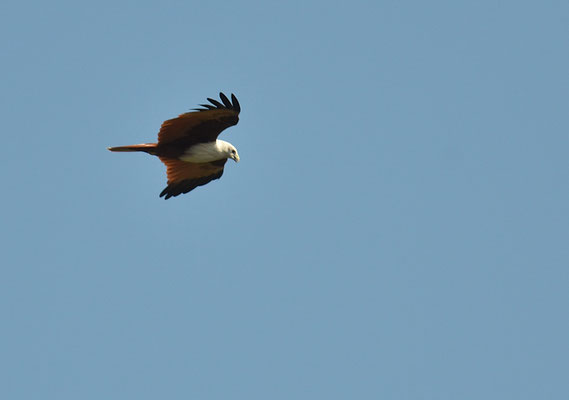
(236, 104)
(225, 100)
(217, 103)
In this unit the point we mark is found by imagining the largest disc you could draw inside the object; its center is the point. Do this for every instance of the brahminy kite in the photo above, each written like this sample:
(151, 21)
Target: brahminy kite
(189, 147)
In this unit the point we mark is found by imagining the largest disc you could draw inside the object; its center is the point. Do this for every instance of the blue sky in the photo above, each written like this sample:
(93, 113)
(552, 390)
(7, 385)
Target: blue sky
(396, 229)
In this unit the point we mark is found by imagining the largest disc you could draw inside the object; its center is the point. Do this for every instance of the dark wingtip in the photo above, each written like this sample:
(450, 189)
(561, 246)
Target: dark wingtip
(225, 100)
(216, 103)
(230, 105)
(235, 102)
(166, 194)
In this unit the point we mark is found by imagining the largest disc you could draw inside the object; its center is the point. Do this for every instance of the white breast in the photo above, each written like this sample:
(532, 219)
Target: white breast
(204, 152)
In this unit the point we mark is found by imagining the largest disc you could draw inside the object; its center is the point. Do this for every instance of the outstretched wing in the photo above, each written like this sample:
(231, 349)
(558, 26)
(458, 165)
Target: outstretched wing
(202, 125)
(185, 176)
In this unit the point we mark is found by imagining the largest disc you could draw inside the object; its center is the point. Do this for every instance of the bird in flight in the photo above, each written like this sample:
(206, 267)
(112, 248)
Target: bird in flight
(189, 147)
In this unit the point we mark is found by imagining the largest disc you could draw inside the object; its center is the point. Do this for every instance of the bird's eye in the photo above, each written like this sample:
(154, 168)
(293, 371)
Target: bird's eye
(232, 151)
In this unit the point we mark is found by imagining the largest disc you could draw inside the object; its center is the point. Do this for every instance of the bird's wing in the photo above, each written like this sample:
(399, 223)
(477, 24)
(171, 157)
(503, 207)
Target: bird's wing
(202, 125)
(185, 176)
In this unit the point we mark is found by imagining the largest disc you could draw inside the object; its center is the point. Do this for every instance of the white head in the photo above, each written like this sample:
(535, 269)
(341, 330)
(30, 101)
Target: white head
(229, 150)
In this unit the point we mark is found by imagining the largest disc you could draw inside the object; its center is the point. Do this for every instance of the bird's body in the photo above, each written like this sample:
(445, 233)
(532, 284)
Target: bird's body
(189, 147)
(207, 152)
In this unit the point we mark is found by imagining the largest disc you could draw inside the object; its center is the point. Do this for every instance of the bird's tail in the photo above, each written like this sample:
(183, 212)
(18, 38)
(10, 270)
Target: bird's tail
(149, 148)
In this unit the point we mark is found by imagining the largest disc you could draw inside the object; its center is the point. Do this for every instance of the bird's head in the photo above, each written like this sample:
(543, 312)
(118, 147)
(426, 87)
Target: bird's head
(232, 153)
(228, 149)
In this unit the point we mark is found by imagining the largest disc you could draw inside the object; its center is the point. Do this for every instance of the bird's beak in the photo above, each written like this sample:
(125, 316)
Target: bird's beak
(236, 158)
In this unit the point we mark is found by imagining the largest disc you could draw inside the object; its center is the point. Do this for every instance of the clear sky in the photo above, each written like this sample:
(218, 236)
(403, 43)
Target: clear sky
(397, 227)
